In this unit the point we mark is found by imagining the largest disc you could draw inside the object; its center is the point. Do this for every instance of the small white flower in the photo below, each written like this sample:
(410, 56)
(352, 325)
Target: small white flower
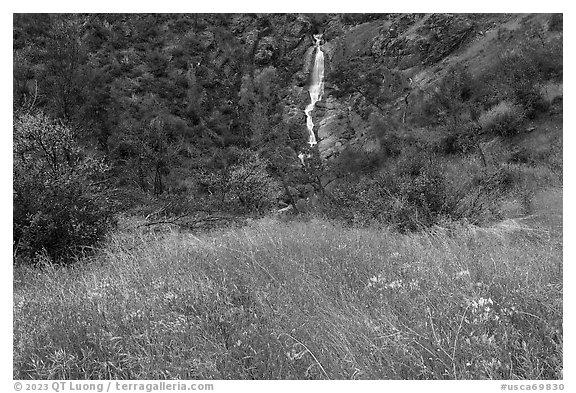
(463, 273)
(414, 284)
(484, 302)
(170, 296)
(394, 284)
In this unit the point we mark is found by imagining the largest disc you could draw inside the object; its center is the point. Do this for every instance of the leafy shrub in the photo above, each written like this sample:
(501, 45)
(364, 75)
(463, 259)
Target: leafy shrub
(516, 78)
(504, 119)
(526, 180)
(408, 198)
(252, 185)
(56, 209)
(459, 140)
(531, 99)
(521, 72)
(452, 100)
(419, 191)
(556, 22)
(474, 192)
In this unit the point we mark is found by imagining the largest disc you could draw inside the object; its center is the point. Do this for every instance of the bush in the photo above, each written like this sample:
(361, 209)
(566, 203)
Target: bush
(56, 210)
(504, 119)
(460, 139)
(420, 191)
(253, 186)
(452, 100)
(474, 192)
(556, 22)
(521, 72)
(407, 198)
(531, 99)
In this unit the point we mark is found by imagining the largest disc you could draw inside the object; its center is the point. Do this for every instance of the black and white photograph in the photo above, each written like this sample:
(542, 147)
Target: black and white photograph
(204, 197)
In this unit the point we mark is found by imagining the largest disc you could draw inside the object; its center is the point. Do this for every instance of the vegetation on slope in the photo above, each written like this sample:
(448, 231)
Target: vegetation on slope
(182, 109)
(434, 256)
(449, 147)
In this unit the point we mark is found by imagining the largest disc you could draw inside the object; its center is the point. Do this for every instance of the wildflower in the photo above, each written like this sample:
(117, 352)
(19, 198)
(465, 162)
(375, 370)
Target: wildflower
(170, 296)
(394, 284)
(373, 281)
(481, 285)
(484, 302)
(509, 311)
(293, 354)
(136, 314)
(157, 284)
(94, 295)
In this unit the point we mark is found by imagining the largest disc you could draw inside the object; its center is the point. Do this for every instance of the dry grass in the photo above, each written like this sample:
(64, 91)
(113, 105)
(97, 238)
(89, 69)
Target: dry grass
(298, 300)
(502, 119)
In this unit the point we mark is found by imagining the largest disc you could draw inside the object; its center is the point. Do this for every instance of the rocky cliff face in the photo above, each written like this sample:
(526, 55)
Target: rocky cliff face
(416, 48)
(419, 47)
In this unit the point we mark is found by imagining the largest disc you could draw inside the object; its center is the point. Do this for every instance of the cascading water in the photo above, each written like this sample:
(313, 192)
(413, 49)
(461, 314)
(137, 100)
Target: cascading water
(316, 88)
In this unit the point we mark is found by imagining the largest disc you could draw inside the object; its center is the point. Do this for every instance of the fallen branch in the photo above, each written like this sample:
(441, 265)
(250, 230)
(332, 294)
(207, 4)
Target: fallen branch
(190, 223)
(172, 221)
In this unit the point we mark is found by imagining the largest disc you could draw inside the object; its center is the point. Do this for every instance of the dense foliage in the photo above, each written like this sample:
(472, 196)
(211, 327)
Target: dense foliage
(156, 93)
(168, 100)
(204, 112)
(167, 155)
(60, 206)
(446, 172)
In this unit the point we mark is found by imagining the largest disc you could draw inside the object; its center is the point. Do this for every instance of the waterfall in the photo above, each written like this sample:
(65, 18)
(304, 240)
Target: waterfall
(316, 88)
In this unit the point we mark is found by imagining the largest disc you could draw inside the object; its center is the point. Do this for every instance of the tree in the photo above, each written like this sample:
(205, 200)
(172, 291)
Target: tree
(60, 203)
(258, 97)
(252, 185)
(150, 144)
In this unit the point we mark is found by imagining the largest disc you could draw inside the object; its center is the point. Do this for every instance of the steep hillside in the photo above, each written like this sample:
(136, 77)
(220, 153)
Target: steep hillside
(173, 218)
(420, 49)
(424, 120)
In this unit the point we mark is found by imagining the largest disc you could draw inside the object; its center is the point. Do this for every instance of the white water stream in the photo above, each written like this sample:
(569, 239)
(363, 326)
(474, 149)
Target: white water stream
(316, 88)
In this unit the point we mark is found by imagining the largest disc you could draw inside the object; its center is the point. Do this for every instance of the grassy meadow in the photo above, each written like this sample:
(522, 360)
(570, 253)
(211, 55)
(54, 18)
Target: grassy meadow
(279, 299)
